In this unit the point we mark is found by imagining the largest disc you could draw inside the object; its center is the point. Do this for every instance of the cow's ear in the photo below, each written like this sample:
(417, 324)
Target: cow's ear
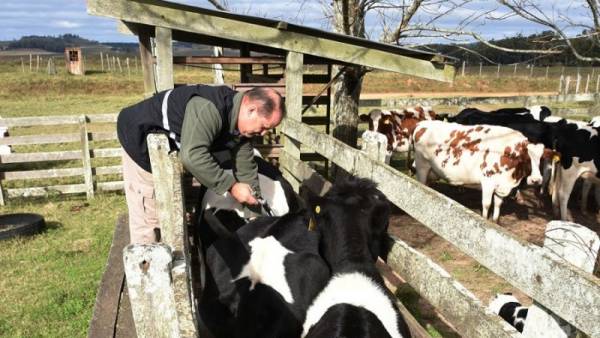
(364, 117)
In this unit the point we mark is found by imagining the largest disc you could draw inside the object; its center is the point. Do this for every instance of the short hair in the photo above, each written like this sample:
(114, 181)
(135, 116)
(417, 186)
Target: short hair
(265, 97)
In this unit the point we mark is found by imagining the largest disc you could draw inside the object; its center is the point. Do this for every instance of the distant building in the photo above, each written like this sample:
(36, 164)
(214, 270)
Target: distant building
(74, 61)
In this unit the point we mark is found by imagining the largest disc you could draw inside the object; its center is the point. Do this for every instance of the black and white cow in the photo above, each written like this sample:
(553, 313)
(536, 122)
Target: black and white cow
(262, 279)
(352, 219)
(509, 308)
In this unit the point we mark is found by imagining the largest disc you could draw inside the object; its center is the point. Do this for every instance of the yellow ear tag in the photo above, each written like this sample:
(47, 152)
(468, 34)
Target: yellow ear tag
(556, 158)
(317, 209)
(387, 122)
(312, 225)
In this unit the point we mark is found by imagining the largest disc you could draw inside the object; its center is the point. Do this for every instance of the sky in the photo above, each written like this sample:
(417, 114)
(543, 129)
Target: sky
(54, 17)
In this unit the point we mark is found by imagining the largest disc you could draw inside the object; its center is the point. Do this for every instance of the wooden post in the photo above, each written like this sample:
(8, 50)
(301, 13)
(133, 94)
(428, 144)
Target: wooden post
(547, 68)
(560, 85)
(480, 66)
(37, 64)
(245, 69)
(30, 63)
(463, 68)
(293, 102)
(119, 64)
(577, 83)
(147, 61)
(567, 83)
(101, 61)
(598, 84)
(128, 70)
(578, 246)
(587, 84)
(219, 76)
(114, 63)
(498, 71)
(22, 65)
(148, 272)
(135, 64)
(48, 69)
(87, 161)
(515, 71)
(164, 58)
(167, 173)
(531, 70)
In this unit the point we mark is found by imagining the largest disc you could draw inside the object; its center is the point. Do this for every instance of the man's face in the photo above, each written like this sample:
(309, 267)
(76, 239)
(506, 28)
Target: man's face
(252, 123)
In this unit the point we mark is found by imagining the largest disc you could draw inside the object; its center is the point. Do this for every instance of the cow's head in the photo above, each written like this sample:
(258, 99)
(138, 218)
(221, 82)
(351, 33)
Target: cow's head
(535, 152)
(381, 121)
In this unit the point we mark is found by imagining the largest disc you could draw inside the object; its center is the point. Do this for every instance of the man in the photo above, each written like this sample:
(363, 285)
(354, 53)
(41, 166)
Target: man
(198, 120)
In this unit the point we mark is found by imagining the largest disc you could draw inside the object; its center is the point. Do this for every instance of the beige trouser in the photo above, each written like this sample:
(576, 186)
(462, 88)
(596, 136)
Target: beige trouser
(141, 202)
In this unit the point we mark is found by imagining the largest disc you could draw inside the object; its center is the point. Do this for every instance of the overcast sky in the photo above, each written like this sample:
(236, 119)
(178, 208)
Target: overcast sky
(53, 17)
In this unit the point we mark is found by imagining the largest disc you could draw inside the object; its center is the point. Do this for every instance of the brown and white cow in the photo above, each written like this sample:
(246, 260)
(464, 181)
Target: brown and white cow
(492, 157)
(396, 125)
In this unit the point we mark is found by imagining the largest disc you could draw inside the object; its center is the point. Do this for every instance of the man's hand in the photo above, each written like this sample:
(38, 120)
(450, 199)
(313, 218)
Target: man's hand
(242, 192)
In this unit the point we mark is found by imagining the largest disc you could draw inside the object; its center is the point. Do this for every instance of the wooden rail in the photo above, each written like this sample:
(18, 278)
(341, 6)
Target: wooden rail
(526, 266)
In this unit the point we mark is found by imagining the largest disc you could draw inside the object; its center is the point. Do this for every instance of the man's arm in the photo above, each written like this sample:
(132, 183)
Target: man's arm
(246, 169)
(201, 126)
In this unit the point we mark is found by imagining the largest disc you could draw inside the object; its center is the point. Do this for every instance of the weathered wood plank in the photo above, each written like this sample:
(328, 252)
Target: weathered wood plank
(110, 186)
(40, 139)
(450, 298)
(293, 104)
(303, 173)
(46, 191)
(392, 282)
(164, 58)
(107, 152)
(109, 170)
(167, 173)
(41, 157)
(148, 271)
(175, 17)
(103, 136)
(522, 264)
(108, 297)
(55, 120)
(228, 60)
(45, 173)
(147, 59)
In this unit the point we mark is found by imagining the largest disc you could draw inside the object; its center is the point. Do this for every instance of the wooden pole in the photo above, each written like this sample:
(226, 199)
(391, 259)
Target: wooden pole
(128, 70)
(463, 68)
(22, 65)
(560, 85)
(87, 161)
(587, 84)
(515, 71)
(577, 84)
(577, 245)
(30, 63)
(547, 68)
(101, 62)
(567, 83)
(498, 71)
(480, 66)
(37, 65)
(531, 70)
(293, 103)
(119, 64)
(598, 84)
(164, 58)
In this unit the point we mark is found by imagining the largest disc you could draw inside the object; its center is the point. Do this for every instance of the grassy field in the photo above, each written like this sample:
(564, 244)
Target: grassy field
(49, 281)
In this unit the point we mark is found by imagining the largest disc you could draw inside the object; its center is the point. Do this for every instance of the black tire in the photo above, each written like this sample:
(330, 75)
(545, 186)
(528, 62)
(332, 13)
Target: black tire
(23, 224)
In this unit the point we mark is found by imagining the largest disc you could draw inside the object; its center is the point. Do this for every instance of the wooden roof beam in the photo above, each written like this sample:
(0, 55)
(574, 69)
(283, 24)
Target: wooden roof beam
(185, 18)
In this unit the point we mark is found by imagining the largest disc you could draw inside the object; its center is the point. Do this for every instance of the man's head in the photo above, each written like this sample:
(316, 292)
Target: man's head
(261, 109)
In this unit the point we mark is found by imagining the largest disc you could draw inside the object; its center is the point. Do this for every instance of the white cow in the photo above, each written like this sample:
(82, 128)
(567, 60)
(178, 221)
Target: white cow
(492, 157)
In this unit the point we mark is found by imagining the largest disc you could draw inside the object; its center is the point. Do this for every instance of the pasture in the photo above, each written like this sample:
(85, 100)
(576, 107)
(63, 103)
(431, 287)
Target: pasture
(50, 280)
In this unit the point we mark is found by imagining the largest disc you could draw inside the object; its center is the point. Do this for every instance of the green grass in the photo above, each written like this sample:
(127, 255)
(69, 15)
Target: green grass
(49, 281)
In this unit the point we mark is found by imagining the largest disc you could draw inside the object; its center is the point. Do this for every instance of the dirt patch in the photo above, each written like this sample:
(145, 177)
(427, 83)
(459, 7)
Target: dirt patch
(526, 221)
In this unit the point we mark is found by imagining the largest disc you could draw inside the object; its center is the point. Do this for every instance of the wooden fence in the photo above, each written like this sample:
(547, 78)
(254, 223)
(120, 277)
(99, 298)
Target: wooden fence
(567, 291)
(87, 150)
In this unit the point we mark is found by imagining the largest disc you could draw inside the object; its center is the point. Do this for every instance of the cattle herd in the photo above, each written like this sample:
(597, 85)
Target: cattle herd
(495, 151)
(305, 265)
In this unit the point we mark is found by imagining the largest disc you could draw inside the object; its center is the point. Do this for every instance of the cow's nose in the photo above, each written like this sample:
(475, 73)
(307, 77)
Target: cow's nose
(535, 181)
